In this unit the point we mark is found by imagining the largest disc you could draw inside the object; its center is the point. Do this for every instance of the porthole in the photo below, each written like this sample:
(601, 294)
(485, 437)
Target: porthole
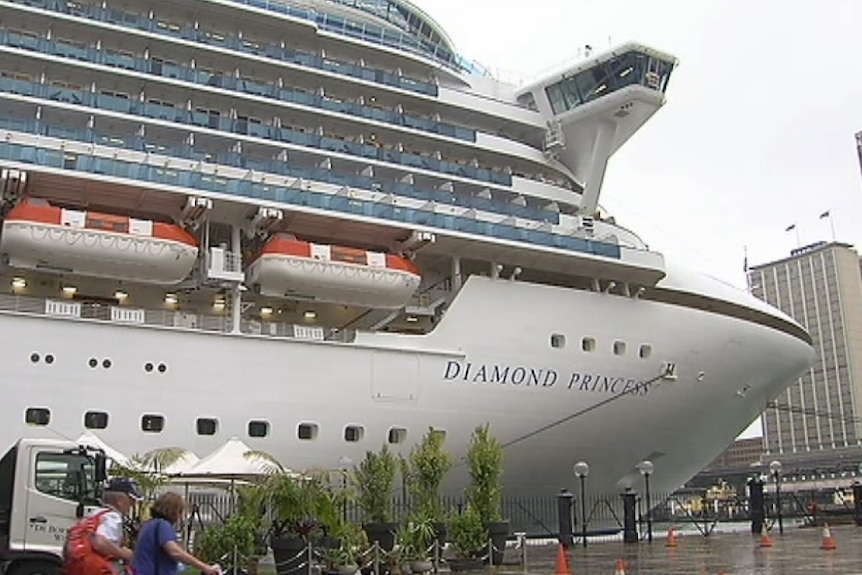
(49, 359)
(152, 423)
(207, 426)
(307, 431)
(645, 351)
(162, 368)
(353, 433)
(148, 367)
(558, 340)
(93, 362)
(37, 416)
(619, 348)
(34, 357)
(588, 344)
(106, 364)
(95, 420)
(397, 435)
(258, 428)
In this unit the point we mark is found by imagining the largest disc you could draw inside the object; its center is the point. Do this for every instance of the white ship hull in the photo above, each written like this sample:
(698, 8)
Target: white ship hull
(490, 360)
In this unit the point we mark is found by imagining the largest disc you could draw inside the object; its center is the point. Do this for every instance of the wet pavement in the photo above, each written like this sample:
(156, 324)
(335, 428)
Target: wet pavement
(796, 552)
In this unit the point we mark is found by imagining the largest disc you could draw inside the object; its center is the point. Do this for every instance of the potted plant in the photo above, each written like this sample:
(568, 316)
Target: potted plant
(424, 471)
(469, 538)
(374, 479)
(416, 539)
(484, 493)
(305, 511)
(350, 554)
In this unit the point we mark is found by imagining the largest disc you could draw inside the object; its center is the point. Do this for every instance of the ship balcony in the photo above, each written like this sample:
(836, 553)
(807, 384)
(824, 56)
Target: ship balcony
(37, 153)
(143, 23)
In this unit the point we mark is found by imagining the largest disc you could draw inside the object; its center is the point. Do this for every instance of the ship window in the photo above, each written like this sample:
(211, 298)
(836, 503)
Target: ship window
(258, 428)
(645, 351)
(619, 348)
(558, 340)
(37, 416)
(397, 435)
(588, 344)
(152, 423)
(353, 433)
(207, 426)
(307, 431)
(95, 420)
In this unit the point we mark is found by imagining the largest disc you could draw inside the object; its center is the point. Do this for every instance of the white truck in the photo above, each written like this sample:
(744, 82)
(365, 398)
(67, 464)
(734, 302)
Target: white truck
(45, 486)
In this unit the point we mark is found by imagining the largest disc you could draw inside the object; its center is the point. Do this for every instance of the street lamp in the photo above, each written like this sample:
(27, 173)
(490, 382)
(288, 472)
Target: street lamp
(646, 468)
(582, 469)
(775, 470)
(344, 464)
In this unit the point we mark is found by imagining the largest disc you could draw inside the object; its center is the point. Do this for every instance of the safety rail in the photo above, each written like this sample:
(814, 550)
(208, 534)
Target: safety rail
(189, 175)
(179, 319)
(134, 21)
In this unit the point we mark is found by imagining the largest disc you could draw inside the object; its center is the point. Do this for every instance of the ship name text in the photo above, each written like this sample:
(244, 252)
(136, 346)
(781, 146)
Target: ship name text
(525, 376)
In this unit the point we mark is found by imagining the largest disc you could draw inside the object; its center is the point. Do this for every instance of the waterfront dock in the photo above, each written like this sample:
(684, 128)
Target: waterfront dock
(798, 551)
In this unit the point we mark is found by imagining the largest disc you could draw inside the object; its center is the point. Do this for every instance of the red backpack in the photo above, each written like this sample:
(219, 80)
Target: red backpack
(79, 557)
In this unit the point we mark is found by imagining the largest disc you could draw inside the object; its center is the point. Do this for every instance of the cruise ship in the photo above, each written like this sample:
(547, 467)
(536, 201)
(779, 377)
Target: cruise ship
(312, 225)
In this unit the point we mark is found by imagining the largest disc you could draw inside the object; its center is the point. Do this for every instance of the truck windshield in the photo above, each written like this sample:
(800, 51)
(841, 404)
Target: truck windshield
(67, 475)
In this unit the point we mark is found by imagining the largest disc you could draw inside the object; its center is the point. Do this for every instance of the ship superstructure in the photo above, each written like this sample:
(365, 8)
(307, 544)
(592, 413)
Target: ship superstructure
(311, 224)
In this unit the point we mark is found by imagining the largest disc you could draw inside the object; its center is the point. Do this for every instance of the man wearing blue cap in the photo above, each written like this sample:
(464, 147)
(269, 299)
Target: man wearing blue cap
(118, 497)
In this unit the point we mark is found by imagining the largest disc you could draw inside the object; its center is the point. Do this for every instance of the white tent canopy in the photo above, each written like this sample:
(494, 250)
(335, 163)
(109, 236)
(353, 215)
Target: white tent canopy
(185, 462)
(89, 439)
(231, 460)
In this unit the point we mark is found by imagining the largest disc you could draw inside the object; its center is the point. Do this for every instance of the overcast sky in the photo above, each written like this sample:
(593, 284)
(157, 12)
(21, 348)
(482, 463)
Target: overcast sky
(758, 131)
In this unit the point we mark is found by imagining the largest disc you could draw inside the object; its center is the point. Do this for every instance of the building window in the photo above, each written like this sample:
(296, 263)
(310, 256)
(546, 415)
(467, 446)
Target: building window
(558, 340)
(353, 433)
(619, 348)
(95, 420)
(397, 435)
(37, 416)
(152, 423)
(588, 344)
(307, 431)
(207, 426)
(258, 428)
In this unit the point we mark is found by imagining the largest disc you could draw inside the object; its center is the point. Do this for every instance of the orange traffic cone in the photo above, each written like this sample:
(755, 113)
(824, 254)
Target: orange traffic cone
(621, 568)
(828, 540)
(562, 562)
(671, 538)
(766, 540)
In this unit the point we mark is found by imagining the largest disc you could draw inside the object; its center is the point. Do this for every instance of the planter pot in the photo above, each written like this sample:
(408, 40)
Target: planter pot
(499, 531)
(465, 564)
(290, 555)
(421, 566)
(382, 533)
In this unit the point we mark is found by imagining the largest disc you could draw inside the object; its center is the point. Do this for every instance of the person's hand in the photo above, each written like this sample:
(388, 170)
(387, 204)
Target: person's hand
(211, 570)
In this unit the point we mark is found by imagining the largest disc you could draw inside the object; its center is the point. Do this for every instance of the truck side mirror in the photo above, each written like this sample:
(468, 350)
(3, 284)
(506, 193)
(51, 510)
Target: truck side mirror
(101, 468)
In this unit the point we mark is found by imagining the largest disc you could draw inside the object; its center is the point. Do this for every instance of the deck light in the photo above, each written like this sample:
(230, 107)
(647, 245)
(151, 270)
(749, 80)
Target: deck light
(19, 283)
(69, 290)
(171, 298)
(120, 295)
(309, 314)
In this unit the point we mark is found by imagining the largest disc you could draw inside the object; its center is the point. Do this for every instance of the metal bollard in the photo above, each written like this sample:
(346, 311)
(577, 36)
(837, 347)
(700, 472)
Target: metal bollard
(566, 518)
(521, 539)
(756, 504)
(630, 528)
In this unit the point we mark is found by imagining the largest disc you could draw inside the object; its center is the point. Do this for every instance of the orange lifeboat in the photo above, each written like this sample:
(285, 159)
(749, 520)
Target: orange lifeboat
(37, 235)
(289, 267)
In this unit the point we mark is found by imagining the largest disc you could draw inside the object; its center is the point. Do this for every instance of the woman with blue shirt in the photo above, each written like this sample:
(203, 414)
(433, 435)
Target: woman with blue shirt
(157, 551)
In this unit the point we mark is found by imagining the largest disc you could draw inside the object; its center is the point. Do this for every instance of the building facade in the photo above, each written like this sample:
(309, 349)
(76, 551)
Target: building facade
(820, 286)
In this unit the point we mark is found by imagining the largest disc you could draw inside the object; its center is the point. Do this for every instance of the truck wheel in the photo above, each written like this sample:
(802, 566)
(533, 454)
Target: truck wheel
(35, 568)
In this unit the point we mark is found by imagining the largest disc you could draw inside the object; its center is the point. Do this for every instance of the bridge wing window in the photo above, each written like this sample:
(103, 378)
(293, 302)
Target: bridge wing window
(631, 68)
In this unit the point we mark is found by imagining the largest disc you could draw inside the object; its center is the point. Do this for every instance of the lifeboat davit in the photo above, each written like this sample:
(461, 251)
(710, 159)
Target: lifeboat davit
(37, 235)
(289, 267)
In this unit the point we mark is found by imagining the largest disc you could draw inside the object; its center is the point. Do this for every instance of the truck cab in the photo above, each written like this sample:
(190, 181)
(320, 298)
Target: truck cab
(46, 485)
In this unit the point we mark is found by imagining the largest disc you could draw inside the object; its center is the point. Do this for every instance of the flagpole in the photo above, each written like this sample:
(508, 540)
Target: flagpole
(828, 214)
